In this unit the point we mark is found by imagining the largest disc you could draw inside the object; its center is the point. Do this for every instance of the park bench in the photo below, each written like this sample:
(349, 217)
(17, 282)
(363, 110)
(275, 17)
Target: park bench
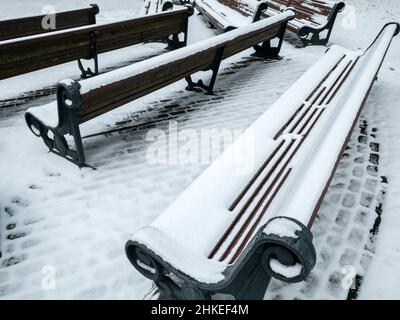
(23, 55)
(27, 26)
(313, 23)
(236, 226)
(78, 102)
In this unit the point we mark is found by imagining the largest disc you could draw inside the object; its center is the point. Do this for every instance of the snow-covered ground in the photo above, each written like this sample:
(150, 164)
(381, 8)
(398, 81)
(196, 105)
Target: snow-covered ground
(73, 224)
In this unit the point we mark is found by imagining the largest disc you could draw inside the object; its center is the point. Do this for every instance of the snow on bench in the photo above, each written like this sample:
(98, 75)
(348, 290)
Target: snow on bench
(232, 230)
(78, 102)
(27, 26)
(27, 54)
(313, 22)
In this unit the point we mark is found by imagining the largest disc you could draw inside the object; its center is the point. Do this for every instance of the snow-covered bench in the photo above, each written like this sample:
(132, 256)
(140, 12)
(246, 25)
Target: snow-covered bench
(313, 23)
(78, 102)
(23, 55)
(27, 26)
(236, 225)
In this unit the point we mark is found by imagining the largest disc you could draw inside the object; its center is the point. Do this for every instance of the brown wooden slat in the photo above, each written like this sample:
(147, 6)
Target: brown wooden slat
(251, 199)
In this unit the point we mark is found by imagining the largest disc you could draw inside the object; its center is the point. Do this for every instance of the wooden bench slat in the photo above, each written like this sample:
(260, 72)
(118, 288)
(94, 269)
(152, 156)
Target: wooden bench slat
(240, 226)
(93, 97)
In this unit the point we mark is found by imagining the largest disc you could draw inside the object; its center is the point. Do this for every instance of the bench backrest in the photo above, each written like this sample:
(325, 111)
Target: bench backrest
(37, 52)
(26, 26)
(332, 94)
(155, 6)
(129, 83)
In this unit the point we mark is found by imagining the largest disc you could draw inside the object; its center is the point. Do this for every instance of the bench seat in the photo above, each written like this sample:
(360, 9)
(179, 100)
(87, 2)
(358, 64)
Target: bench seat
(245, 220)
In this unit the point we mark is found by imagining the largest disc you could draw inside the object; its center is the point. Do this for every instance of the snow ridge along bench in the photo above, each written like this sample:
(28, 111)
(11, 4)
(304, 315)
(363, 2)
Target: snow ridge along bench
(23, 55)
(27, 26)
(313, 23)
(232, 230)
(78, 102)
